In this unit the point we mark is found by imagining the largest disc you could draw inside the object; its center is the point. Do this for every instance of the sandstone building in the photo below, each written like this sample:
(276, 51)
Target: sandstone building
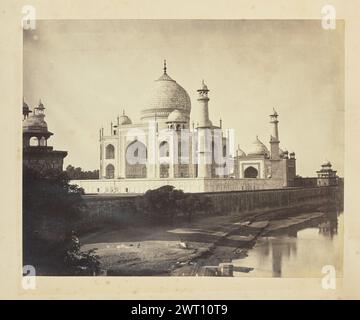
(37, 154)
(326, 175)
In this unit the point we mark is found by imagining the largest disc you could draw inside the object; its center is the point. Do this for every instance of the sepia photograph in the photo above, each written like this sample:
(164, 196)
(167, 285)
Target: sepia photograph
(184, 147)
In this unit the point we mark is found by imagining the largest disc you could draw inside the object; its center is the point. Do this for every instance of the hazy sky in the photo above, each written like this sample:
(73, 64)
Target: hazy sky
(87, 72)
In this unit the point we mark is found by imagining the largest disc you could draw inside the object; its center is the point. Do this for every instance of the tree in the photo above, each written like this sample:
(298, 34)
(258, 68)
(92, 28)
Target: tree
(51, 209)
(161, 203)
(77, 173)
(165, 203)
(48, 195)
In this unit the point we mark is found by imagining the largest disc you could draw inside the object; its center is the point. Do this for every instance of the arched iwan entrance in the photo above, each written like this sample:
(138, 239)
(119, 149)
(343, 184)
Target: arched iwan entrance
(110, 171)
(164, 153)
(34, 142)
(109, 152)
(251, 172)
(135, 160)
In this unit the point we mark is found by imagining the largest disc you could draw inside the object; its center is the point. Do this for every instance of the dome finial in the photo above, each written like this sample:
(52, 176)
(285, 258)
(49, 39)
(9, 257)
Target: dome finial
(204, 87)
(165, 66)
(40, 105)
(124, 119)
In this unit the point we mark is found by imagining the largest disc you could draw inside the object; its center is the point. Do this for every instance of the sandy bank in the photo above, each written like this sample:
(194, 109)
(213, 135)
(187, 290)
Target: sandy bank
(187, 249)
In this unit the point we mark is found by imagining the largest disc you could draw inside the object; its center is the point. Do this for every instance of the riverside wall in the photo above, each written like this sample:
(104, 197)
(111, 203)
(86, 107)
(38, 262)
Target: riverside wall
(126, 207)
(257, 200)
(191, 185)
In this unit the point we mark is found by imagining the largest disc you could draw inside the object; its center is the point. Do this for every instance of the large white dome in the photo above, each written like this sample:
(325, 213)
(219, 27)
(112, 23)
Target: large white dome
(166, 96)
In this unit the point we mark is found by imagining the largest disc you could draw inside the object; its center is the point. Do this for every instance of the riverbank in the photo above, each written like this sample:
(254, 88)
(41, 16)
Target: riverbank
(156, 250)
(187, 249)
(127, 210)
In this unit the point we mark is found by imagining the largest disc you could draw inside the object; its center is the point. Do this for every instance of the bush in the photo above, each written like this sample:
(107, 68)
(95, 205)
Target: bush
(79, 262)
(161, 203)
(166, 203)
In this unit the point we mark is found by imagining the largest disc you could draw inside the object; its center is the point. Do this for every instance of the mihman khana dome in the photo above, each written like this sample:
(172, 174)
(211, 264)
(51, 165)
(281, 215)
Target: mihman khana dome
(258, 148)
(166, 148)
(166, 96)
(240, 152)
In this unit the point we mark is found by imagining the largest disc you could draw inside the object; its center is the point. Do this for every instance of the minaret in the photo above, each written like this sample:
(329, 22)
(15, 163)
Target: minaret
(274, 138)
(203, 112)
(204, 134)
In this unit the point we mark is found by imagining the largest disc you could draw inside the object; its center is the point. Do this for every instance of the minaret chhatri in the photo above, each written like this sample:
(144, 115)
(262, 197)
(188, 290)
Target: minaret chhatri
(274, 138)
(204, 134)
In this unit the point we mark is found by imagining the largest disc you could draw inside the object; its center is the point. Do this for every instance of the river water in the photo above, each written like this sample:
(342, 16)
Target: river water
(298, 251)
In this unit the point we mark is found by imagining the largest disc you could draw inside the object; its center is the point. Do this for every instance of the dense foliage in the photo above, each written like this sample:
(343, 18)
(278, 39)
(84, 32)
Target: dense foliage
(51, 209)
(166, 203)
(77, 173)
(79, 262)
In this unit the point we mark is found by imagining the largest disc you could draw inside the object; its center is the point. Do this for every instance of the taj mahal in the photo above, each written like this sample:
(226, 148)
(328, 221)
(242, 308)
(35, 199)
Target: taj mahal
(177, 144)
(174, 143)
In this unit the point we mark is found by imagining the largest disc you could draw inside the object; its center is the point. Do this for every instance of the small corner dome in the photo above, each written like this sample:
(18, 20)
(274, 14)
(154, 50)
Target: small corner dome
(258, 148)
(284, 153)
(176, 116)
(240, 152)
(124, 119)
(34, 124)
(326, 164)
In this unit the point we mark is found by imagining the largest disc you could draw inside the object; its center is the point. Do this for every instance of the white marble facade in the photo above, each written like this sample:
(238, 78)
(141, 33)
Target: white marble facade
(175, 143)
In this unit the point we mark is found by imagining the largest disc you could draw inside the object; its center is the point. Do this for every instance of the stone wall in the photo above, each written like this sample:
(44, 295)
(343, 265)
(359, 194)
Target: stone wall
(104, 208)
(124, 208)
(229, 185)
(43, 158)
(193, 185)
(248, 201)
